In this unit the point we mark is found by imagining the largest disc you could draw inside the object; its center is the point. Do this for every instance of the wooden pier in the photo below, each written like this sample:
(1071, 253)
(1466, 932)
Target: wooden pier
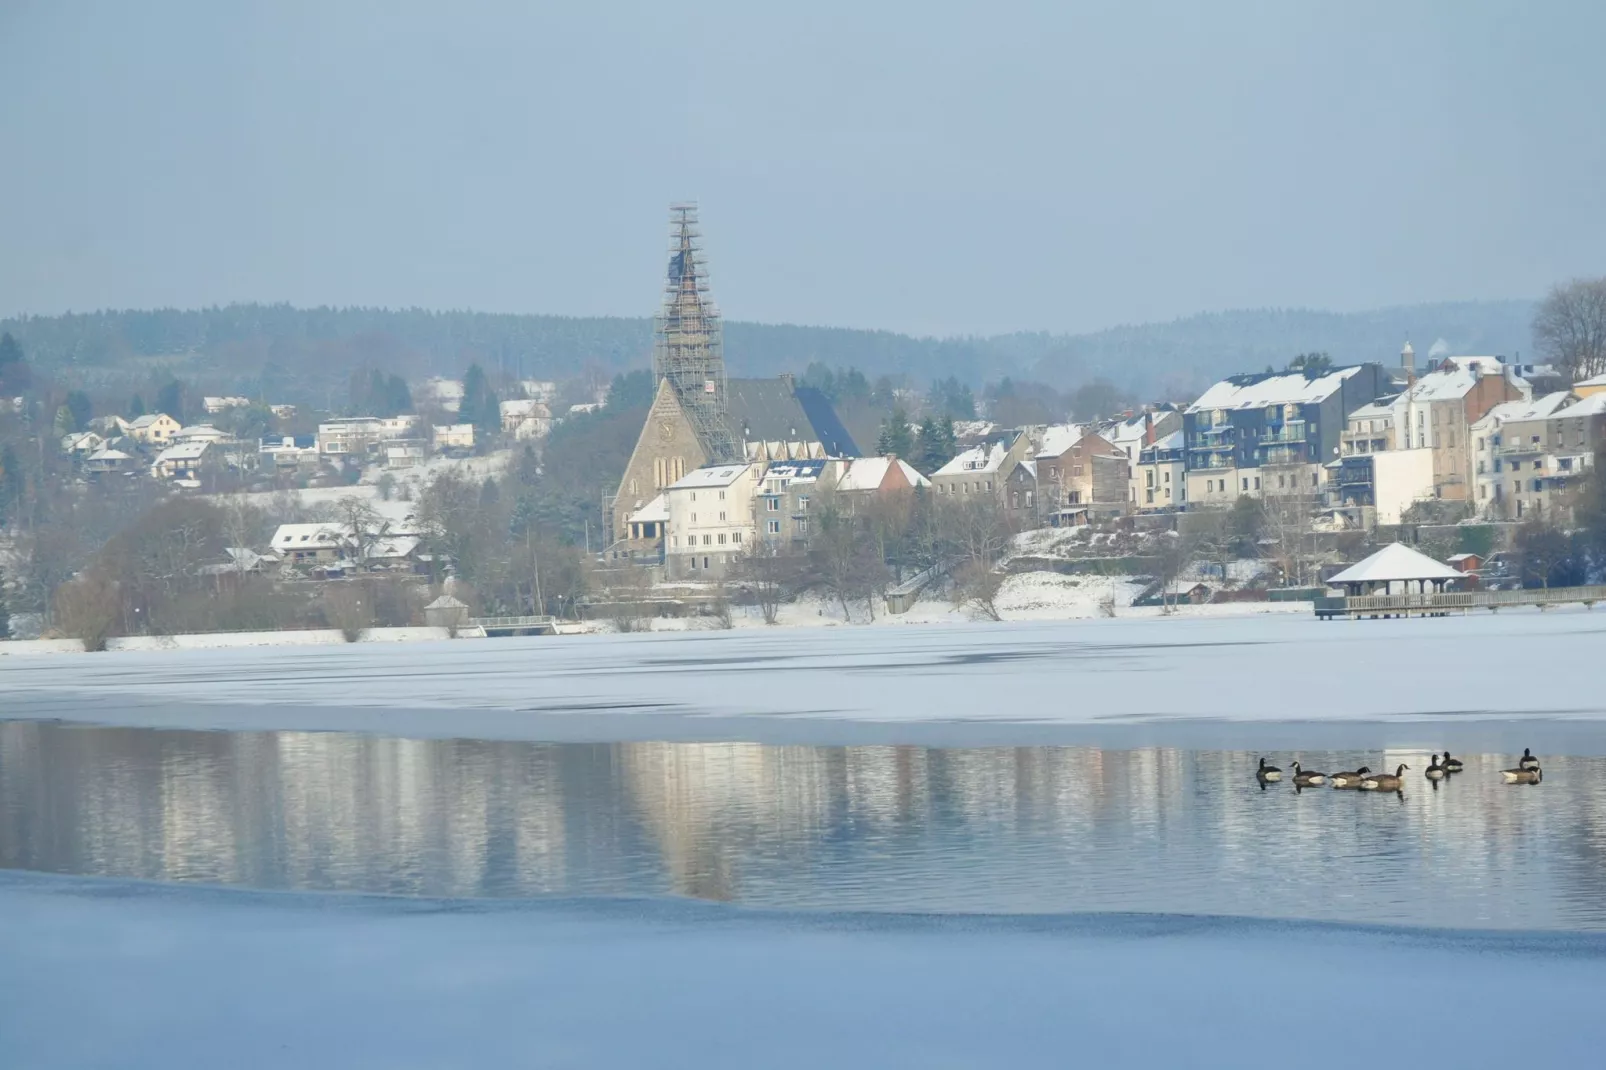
(1440, 604)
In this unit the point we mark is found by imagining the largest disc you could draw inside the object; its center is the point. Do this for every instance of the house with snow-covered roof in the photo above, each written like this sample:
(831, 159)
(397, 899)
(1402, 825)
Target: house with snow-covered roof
(1084, 472)
(1005, 471)
(711, 520)
(1271, 433)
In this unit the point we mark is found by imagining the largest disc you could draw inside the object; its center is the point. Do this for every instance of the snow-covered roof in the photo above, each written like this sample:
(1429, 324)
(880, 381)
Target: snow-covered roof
(148, 419)
(392, 547)
(1057, 438)
(654, 512)
(446, 601)
(184, 451)
(1167, 443)
(977, 459)
(308, 536)
(109, 455)
(1374, 410)
(868, 473)
(722, 475)
(1396, 561)
(1448, 385)
(1593, 405)
(200, 431)
(1291, 388)
(973, 428)
(1594, 380)
(524, 407)
(1127, 430)
(1480, 365)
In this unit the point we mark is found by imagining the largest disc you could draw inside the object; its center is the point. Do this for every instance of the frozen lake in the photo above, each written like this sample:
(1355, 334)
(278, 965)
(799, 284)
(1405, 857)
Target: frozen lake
(1037, 830)
(967, 846)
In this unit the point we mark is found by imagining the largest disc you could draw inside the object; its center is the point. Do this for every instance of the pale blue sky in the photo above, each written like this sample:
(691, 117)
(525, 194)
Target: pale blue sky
(932, 167)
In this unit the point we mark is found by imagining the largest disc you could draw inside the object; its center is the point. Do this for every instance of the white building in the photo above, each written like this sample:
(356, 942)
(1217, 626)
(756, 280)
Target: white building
(1160, 478)
(215, 405)
(352, 436)
(446, 394)
(711, 520)
(453, 437)
(1496, 485)
(526, 418)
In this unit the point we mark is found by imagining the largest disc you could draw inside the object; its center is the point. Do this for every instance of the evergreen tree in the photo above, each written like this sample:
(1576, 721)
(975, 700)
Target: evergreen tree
(136, 407)
(10, 483)
(896, 439)
(480, 406)
(82, 411)
(938, 444)
(15, 374)
(170, 399)
(5, 613)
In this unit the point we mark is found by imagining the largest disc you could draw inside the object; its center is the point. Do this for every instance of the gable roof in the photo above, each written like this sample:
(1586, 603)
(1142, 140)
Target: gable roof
(1057, 438)
(654, 512)
(1396, 561)
(1593, 405)
(868, 473)
(772, 410)
(977, 459)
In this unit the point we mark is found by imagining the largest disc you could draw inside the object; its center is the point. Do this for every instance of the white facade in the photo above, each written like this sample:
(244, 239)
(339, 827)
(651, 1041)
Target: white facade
(1400, 479)
(454, 437)
(710, 520)
(352, 436)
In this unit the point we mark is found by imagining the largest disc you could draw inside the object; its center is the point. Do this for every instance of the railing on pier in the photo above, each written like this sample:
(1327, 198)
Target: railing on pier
(1439, 604)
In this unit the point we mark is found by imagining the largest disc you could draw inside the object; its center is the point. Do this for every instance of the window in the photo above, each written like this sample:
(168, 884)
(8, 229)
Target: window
(773, 504)
(1515, 465)
(694, 561)
(633, 487)
(802, 525)
(707, 539)
(693, 495)
(694, 518)
(674, 540)
(1483, 490)
(1313, 480)
(1076, 469)
(722, 514)
(1168, 494)
(1257, 482)
(722, 498)
(802, 503)
(773, 527)
(722, 538)
(1168, 475)
(1014, 499)
(1053, 471)
(1279, 482)
(736, 537)
(705, 562)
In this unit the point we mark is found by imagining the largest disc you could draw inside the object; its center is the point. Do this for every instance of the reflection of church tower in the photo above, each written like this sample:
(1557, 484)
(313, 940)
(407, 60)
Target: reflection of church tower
(688, 342)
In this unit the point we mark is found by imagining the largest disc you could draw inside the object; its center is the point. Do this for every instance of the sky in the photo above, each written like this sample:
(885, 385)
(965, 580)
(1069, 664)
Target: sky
(931, 167)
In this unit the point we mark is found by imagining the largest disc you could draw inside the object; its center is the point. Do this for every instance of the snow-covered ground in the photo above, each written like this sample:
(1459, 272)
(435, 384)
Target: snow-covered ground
(410, 482)
(100, 974)
(1152, 674)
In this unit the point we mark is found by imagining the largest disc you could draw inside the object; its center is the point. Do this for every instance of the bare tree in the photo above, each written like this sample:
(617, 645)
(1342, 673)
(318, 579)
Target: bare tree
(348, 609)
(845, 558)
(364, 525)
(772, 575)
(88, 609)
(977, 587)
(1286, 542)
(1570, 327)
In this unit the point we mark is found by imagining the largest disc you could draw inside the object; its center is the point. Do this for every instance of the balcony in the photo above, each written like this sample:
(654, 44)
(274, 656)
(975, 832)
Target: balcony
(1291, 432)
(1519, 449)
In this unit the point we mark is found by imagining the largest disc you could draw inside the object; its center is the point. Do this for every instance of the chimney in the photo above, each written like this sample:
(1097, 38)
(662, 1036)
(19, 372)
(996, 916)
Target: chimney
(1128, 415)
(1148, 429)
(1408, 362)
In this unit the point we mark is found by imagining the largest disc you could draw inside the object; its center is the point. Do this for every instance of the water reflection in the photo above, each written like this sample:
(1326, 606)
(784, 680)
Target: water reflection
(1039, 829)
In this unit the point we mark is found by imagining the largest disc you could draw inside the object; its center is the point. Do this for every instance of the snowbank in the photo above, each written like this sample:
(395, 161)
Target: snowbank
(199, 977)
(226, 640)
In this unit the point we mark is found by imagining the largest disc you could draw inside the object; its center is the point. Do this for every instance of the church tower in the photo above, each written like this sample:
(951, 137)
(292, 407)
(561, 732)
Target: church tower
(688, 342)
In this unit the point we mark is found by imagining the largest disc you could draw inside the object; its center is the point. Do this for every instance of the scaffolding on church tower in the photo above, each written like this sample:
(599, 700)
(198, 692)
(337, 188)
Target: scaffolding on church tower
(688, 341)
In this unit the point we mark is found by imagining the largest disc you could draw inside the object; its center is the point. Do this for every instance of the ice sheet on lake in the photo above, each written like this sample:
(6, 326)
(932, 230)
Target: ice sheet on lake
(108, 974)
(1091, 673)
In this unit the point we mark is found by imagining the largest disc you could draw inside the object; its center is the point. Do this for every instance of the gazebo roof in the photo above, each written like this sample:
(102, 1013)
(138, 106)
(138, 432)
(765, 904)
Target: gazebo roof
(1396, 561)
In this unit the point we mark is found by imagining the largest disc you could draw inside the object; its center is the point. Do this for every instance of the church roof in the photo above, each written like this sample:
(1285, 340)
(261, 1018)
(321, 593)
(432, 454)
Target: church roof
(772, 410)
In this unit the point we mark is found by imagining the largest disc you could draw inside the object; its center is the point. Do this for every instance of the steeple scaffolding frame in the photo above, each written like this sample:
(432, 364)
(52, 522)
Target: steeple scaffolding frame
(688, 338)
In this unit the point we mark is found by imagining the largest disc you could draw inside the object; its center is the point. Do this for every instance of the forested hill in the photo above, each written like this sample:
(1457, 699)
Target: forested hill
(238, 347)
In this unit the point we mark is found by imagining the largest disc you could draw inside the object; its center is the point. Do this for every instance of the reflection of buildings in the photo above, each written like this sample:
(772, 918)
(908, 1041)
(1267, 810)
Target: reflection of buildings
(900, 828)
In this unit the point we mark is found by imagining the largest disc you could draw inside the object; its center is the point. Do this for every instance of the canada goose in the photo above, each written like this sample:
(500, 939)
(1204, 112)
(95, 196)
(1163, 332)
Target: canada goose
(1452, 765)
(1306, 779)
(1384, 782)
(1351, 779)
(1523, 776)
(1528, 760)
(1268, 772)
(1435, 771)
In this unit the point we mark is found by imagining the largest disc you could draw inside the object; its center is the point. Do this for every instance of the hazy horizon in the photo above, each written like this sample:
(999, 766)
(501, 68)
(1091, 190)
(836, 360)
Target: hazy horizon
(942, 170)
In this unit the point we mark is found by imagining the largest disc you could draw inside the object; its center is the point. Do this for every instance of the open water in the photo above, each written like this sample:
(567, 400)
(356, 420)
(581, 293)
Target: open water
(1050, 829)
